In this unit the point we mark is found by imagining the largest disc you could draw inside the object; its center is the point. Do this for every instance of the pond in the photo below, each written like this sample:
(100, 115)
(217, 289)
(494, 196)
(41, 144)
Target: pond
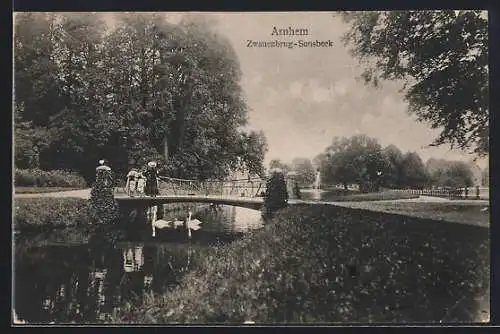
(60, 278)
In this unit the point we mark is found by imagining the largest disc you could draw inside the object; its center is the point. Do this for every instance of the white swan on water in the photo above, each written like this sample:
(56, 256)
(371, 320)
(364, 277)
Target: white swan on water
(191, 224)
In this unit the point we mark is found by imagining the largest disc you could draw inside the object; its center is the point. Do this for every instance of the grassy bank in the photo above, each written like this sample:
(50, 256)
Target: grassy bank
(45, 213)
(466, 213)
(40, 190)
(331, 264)
(340, 195)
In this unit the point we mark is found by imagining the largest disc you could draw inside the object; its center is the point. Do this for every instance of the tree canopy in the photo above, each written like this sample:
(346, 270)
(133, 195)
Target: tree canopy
(145, 89)
(442, 58)
(361, 160)
(306, 174)
(449, 173)
(358, 159)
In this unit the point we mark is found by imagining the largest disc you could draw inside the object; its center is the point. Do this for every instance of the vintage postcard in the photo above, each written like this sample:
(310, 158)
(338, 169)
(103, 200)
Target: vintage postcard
(251, 168)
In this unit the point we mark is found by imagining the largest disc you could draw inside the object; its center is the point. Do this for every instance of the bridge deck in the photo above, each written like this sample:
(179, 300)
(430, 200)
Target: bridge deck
(250, 202)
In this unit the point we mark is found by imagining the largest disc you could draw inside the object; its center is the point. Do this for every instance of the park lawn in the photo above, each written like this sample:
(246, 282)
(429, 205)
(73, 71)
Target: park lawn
(377, 196)
(340, 195)
(466, 213)
(38, 190)
(322, 263)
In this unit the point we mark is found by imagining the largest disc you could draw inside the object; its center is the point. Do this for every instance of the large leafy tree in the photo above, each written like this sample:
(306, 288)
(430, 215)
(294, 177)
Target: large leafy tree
(442, 58)
(145, 89)
(304, 168)
(393, 175)
(449, 173)
(358, 159)
(413, 173)
(278, 164)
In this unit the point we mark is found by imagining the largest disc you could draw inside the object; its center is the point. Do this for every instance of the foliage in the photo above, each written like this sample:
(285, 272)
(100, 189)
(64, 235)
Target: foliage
(485, 177)
(441, 56)
(49, 212)
(393, 176)
(306, 174)
(413, 172)
(103, 208)
(357, 159)
(276, 196)
(449, 173)
(53, 178)
(313, 257)
(278, 164)
(143, 89)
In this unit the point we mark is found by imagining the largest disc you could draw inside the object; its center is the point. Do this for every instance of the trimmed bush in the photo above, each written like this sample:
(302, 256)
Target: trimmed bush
(103, 208)
(53, 178)
(49, 212)
(276, 196)
(331, 264)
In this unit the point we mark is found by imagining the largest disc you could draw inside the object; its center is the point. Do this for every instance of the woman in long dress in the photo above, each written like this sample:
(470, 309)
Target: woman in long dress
(131, 182)
(151, 175)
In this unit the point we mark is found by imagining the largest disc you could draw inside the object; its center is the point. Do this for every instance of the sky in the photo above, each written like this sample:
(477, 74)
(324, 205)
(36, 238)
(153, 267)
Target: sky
(303, 97)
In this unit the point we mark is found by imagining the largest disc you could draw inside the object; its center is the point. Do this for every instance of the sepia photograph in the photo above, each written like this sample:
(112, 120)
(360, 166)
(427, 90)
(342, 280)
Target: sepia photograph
(250, 168)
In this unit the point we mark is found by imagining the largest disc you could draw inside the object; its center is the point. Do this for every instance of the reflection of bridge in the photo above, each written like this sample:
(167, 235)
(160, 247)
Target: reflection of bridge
(241, 192)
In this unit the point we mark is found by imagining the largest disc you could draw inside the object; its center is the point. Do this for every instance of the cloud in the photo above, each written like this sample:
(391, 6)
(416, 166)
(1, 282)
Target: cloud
(302, 98)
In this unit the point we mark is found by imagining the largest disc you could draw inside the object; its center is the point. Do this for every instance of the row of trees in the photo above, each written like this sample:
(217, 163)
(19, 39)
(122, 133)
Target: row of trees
(144, 89)
(362, 160)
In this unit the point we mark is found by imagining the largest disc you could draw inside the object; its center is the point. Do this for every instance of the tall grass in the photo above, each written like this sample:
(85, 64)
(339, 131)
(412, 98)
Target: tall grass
(329, 264)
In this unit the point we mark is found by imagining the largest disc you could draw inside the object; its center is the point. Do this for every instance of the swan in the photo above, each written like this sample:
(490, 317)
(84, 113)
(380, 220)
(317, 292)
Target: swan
(192, 224)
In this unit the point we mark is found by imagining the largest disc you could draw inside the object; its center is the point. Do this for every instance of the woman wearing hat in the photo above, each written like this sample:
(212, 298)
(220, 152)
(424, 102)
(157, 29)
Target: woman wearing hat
(151, 175)
(131, 182)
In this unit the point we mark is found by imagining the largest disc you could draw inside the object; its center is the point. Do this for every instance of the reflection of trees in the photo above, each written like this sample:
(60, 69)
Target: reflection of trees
(81, 284)
(68, 285)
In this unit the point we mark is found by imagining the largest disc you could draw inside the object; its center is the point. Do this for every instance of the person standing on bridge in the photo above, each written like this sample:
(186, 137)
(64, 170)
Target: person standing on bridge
(131, 185)
(151, 174)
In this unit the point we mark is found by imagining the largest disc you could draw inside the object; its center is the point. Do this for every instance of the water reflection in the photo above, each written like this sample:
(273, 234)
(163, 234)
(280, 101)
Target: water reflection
(79, 283)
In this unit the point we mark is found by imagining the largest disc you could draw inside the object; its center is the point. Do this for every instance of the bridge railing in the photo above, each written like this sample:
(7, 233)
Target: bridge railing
(173, 186)
(240, 187)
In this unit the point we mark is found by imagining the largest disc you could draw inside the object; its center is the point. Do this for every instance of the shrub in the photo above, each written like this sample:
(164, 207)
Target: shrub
(103, 208)
(276, 196)
(53, 178)
(49, 212)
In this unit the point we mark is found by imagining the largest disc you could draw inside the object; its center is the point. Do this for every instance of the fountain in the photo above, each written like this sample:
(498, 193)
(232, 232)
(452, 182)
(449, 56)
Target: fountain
(317, 186)
(317, 180)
